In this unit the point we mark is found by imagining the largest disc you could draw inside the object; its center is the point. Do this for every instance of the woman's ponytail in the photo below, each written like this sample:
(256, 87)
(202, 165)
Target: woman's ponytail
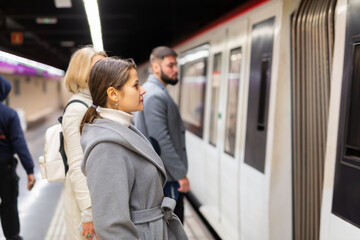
(89, 117)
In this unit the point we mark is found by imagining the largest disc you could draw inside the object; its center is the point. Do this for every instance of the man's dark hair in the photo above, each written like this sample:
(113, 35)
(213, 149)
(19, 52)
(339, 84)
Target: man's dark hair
(159, 53)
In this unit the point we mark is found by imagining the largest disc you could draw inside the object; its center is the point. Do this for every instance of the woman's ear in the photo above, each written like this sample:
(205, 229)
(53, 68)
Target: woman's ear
(112, 98)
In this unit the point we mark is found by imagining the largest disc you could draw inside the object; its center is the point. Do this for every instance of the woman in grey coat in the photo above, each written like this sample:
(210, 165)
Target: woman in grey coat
(125, 176)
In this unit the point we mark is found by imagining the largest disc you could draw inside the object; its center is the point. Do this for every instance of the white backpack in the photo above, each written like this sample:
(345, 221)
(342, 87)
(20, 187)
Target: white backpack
(53, 165)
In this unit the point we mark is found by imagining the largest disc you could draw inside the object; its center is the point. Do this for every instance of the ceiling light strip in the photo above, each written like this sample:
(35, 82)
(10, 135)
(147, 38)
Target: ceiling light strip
(13, 59)
(92, 12)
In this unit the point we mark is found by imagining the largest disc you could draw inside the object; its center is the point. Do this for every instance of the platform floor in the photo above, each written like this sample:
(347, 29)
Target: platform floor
(195, 229)
(41, 210)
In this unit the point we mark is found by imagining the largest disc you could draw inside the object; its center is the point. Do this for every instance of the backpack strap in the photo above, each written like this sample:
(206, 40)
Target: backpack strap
(62, 152)
(72, 101)
(62, 147)
(75, 100)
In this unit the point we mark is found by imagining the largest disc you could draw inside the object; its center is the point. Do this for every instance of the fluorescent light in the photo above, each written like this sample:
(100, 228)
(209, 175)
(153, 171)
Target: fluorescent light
(13, 59)
(63, 3)
(92, 12)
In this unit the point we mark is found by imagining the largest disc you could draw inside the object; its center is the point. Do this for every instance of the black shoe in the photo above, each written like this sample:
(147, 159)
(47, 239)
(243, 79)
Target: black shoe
(18, 237)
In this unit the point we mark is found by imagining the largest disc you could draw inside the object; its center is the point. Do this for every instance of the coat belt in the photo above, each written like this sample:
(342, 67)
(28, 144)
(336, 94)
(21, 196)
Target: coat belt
(152, 214)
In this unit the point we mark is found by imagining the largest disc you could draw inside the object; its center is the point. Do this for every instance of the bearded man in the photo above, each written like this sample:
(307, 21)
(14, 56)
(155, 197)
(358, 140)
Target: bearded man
(161, 123)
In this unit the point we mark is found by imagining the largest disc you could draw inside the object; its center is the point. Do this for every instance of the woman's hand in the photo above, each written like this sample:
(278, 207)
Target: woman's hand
(88, 230)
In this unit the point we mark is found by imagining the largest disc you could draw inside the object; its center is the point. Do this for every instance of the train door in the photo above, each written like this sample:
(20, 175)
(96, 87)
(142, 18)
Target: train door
(346, 195)
(193, 83)
(229, 130)
(340, 196)
(211, 209)
(254, 192)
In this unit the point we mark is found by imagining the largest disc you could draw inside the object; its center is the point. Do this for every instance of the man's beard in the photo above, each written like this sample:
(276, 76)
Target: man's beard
(167, 79)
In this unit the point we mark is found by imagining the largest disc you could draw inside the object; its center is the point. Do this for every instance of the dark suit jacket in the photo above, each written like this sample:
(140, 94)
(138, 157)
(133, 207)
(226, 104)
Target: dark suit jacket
(161, 123)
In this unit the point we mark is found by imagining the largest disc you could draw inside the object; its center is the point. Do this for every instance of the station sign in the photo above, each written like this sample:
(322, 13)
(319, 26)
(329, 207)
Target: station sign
(17, 38)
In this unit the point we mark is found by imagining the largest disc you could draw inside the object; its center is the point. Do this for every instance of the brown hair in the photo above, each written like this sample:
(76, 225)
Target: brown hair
(107, 72)
(159, 53)
(79, 67)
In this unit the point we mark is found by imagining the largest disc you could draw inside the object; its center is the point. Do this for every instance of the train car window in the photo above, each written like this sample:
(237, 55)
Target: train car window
(352, 146)
(262, 39)
(193, 66)
(232, 100)
(17, 86)
(215, 84)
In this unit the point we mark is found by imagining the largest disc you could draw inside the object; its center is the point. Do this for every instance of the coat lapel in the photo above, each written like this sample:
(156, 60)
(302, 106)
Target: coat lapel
(135, 141)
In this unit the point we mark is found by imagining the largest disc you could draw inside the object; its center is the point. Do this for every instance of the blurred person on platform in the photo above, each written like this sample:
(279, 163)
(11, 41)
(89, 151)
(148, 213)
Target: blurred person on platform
(11, 141)
(161, 123)
(124, 174)
(77, 197)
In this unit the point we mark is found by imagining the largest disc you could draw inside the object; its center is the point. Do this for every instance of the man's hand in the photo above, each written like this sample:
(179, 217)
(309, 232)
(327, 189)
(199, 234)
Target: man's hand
(184, 185)
(31, 181)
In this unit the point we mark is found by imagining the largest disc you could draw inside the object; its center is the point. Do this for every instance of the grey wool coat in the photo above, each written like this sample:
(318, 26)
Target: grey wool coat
(161, 123)
(125, 177)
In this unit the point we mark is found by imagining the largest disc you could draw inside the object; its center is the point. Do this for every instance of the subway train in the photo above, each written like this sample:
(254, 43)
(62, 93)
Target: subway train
(270, 97)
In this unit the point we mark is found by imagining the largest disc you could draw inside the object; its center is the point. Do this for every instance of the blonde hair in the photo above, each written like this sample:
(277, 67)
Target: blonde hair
(79, 68)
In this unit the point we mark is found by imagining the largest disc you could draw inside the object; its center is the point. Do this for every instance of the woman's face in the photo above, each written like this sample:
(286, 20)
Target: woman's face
(131, 95)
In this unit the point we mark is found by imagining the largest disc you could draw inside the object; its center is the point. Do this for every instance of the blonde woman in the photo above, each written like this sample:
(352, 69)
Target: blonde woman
(77, 198)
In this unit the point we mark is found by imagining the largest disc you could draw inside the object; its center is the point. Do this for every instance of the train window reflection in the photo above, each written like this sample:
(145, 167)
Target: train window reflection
(232, 100)
(353, 127)
(193, 84)
(262, 95)
(215, 84)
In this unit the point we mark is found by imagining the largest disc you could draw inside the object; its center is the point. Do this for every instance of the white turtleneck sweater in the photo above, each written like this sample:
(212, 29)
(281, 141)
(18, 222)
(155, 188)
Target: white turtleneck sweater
(114, 115)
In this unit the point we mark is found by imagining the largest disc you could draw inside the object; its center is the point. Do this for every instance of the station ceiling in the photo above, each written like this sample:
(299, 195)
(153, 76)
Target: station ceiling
(130, 28)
